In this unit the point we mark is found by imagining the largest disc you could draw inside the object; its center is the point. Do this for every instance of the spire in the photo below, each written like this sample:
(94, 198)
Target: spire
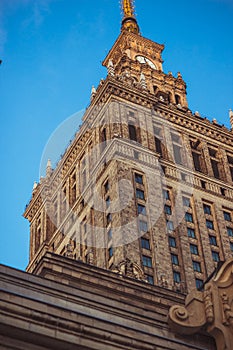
(49, 168)
(129, 21)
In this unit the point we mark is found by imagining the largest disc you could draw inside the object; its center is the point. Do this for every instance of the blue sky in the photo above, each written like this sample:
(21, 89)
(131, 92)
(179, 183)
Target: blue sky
(52, 52)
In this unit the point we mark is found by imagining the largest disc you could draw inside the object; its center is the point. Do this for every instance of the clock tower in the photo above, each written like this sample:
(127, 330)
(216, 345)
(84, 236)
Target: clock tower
(139, 59)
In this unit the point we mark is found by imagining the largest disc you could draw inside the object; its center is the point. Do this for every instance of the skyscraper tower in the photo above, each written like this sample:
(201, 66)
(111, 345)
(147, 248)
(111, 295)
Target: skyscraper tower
(145, 188)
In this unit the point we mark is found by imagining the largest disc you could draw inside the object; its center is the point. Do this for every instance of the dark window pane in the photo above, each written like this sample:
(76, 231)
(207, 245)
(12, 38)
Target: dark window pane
(166, 195)
(212, 152)
(176, 277)
(110, 252)
(227, 216)
(172, 242)
(214, 164)
(175, 259)
(141, 209)
(191, 233)
(215, 256)
(193, 249)
(213, 240)
(139, 179)
(145, 243)
(210, 224)
(150, 279)
(188, 217)
(140, 194)
(103, 138)
(177, 154)
(168, 209)
(207, 209)
(230, 159)
(199, 283)
(106, 186)
(231, 246)
(108, 202)
(109, 218)
(231, 170)
(186, 201)
(147, 261)
(158, 145)
(230, 231)
(196, 266)
(196, 161)
(132, 132)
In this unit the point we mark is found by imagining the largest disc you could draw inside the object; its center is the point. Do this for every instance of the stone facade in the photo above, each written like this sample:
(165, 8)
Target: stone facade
(168, 205)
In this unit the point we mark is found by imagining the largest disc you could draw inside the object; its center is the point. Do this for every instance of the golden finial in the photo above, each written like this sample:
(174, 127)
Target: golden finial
(129, 21)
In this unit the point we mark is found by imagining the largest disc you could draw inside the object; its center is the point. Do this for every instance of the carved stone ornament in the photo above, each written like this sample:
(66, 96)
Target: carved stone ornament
(210, 310)
(129, 269)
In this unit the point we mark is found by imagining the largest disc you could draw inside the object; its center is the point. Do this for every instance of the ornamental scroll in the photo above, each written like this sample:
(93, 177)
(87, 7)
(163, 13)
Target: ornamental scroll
(210, 310)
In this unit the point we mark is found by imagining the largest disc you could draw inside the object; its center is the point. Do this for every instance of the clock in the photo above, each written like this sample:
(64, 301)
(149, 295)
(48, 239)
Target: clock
(144, 60)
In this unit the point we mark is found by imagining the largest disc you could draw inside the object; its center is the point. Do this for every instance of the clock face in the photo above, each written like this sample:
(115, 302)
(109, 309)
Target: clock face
(144, 60)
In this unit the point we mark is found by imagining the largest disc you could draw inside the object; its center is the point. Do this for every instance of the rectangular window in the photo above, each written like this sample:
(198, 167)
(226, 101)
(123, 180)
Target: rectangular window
(109, 218)
(158, 145)
(191, 233)
(170, 225)
(227, 216)
(150, 279)
(141, 209)
(175, 259)
(143, 226)
(108, 202)
(210, 224)
(194, 249)
(207, 209)
(230, 231)
(132, 132)
(110, 252)
(177, 154)
(186, 202)
(146, 261)
(176, 277)
(188, 217)
(231, 246)
(166, 195)
(139, 179)
(199, 283)
(172, 242)
(175, 138)
(215, 256)
(196, 161)
(214, 164)
(145, 243)
(213, 240)
(168, 209)
(140, 194)
(196, 266)
(106, 186)
(230, 161)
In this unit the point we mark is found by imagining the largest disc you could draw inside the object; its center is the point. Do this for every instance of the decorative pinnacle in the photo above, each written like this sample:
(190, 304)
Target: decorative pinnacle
(129, 21)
